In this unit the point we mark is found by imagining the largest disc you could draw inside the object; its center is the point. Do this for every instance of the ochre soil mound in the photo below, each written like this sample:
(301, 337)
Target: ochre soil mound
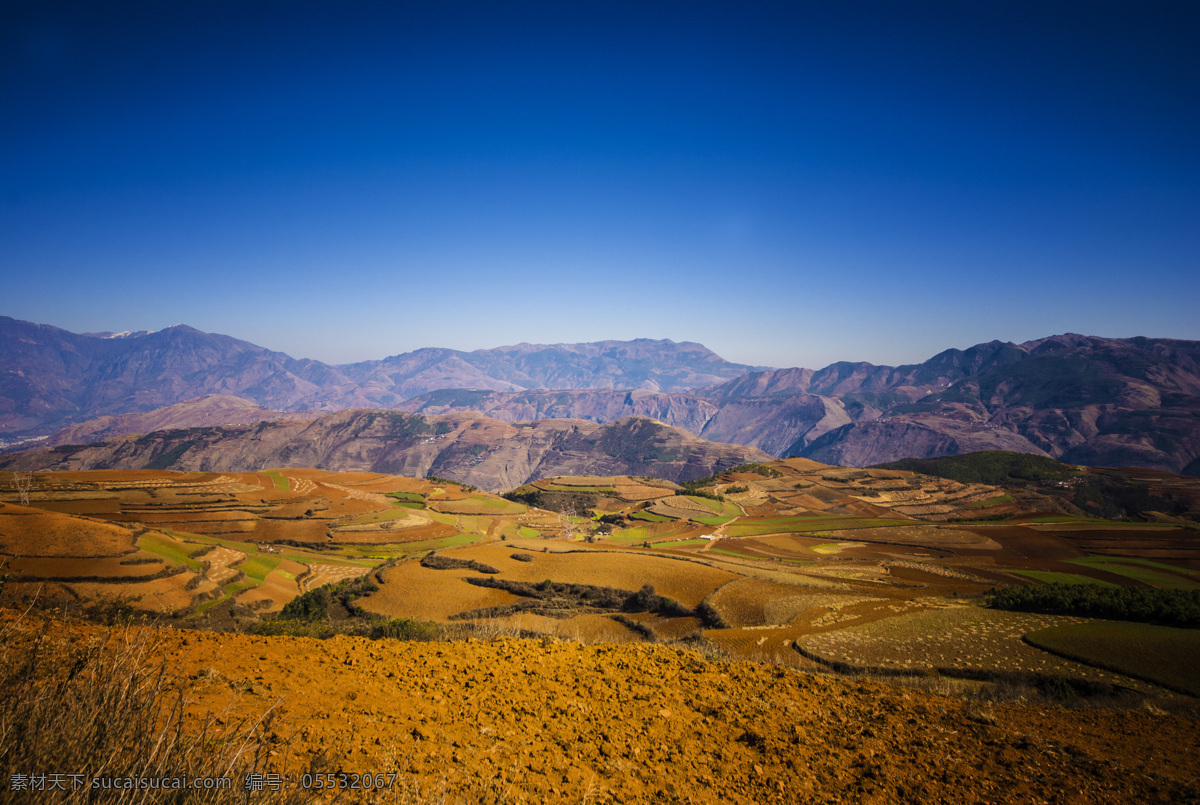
(538, 721)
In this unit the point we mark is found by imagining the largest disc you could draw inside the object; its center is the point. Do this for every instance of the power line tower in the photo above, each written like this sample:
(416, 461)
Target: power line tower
(23, 482)
(568, 523)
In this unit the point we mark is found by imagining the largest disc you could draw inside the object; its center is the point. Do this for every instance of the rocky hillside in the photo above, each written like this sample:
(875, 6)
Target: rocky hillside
(1085, 400)
(486, 453)
(678, 410)
(214, 409)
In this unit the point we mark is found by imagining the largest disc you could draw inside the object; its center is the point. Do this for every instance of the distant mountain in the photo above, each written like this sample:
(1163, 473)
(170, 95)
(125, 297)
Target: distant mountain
(50, 378)
(1083, 399)
(484, 452)
(215, 409)
(656, 365)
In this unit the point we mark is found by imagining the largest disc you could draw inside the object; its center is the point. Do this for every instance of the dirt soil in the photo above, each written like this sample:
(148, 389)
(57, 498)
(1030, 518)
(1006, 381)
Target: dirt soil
(544, 721)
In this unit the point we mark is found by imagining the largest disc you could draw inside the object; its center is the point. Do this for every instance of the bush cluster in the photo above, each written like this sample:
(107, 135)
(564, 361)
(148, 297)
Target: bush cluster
(436, 562)
(1141, 604)
(565, 595)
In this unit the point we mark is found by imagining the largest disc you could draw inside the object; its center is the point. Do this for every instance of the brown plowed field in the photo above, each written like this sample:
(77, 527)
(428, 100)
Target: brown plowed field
(33, 532)
(221, 563)
(91, 506)
(687, 582)
(231, 529)
(384, 536)
(70, 567)
(745, 602)
(277, 590)
(165, 596)
(1026, 542)
(526, 722)
(596, 629)
(412, 591)
(299, 530)
(637, 492)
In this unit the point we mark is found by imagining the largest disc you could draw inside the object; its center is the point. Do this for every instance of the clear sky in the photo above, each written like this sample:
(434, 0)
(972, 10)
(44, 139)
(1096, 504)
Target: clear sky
(787, 183)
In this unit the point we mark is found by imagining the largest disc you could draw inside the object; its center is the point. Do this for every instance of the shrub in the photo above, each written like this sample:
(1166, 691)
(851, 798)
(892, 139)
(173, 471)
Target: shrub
(310, 606)
(404, 629)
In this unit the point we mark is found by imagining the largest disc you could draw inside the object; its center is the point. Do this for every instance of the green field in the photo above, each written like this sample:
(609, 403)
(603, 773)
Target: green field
(258, 567)
(454, 541)
(1049, 577)
(991, 501)
(1073, 520)
(728, 552)
(345, 556)
(799, 524)
(635, 534)
(172, 553)
(1143, 570)
(397, 513)
(1161, 654)
(680, 543)
(528, 533)
(410, 497)
(281, 482)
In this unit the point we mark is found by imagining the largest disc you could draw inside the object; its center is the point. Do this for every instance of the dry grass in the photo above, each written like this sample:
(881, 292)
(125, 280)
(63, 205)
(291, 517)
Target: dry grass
(106, 708)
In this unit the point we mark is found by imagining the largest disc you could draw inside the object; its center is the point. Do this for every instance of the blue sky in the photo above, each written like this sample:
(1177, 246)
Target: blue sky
(787, 183)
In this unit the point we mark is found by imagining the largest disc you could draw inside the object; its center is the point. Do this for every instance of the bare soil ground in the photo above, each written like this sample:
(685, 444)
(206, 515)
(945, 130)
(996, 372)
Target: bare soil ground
(524, 721)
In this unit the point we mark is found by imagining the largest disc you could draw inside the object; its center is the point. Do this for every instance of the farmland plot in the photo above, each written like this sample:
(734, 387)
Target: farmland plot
(412, 591)
(686, 582)
(958, 638)
(759, 602)
(32, 532)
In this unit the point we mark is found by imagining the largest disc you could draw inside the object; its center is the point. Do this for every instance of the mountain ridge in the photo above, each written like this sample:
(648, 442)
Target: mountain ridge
(1086, 399)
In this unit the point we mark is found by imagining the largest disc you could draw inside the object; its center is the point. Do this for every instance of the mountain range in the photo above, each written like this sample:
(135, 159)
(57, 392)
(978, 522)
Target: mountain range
(1082, 399)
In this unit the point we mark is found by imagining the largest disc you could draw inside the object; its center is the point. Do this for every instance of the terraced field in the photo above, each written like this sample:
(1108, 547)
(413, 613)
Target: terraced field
(803, 564)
